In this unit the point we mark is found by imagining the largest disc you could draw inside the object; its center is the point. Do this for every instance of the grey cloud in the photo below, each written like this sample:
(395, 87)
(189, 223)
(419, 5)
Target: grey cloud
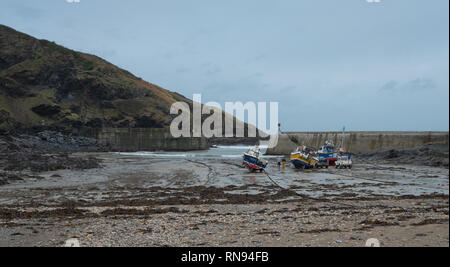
(182, 70)
(168, 55)
(288, 89)
(390, 86)
(213, 71)
(257, 58)
(416, 85)
(419, 85)
(27, 12)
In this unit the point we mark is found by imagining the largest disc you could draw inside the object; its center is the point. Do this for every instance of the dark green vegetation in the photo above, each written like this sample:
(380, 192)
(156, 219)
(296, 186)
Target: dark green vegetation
(44, 85)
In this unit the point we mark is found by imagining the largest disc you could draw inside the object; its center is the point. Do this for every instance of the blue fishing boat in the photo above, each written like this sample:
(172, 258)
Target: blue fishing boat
(328, 152)
(252, 160)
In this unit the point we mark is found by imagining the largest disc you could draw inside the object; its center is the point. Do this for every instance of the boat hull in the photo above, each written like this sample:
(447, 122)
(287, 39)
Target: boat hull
(300, 162)
(330, 157)
(253, 163)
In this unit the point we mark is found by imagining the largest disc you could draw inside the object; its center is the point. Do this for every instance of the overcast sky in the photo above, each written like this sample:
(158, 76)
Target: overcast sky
(329, 63)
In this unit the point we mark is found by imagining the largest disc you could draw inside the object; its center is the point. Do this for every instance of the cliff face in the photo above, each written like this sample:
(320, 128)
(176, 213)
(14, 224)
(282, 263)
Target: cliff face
(44, 85)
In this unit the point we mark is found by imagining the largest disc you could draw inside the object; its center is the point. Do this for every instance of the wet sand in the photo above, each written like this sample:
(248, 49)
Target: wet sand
(145, 201)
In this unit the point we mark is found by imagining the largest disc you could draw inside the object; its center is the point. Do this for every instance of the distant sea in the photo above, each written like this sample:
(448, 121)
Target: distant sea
(221, 152)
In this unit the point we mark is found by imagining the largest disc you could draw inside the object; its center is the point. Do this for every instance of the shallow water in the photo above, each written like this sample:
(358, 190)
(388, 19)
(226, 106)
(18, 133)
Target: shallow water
(232, 152)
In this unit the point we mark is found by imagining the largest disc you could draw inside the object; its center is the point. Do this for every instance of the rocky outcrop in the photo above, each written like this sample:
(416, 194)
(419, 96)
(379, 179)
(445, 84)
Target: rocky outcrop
(46, 110)
(435, 155)
(21, 157)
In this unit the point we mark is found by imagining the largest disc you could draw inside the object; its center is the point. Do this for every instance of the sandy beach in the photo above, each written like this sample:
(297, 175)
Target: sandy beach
(208, 199)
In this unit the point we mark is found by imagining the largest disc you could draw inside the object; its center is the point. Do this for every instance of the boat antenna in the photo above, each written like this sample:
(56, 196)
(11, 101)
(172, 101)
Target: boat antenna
(343, 136)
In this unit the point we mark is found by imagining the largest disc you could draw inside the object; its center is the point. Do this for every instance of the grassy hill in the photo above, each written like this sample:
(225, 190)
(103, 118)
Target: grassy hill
(43, 84)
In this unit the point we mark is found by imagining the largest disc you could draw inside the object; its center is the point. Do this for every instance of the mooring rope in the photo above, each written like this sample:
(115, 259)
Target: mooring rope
(275, 183)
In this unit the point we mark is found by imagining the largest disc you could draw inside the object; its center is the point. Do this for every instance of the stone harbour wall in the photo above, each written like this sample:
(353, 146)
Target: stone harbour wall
(144, 139)
(357, 141)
